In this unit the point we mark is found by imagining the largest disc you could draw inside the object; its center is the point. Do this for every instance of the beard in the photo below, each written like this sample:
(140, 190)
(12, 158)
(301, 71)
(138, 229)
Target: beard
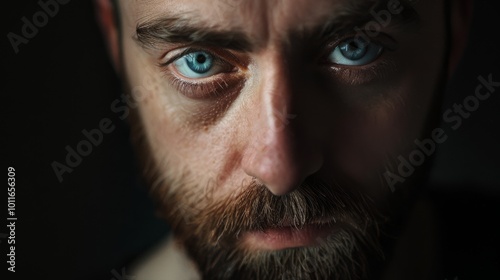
(211, 229)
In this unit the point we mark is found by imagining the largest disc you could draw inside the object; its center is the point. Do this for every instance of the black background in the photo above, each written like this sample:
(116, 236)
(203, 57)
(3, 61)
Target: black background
(99, 218)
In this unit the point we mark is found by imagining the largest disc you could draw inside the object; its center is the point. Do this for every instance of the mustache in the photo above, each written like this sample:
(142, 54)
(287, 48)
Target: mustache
(255, 208)
(209, 227)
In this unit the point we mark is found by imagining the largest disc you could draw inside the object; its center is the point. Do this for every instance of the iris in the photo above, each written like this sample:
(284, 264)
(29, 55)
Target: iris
(354, 49)
(355, 52)
(196, 64)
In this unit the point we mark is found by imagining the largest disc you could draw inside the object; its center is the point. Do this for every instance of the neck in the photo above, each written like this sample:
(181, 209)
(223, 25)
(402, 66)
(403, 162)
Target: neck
(167, 261)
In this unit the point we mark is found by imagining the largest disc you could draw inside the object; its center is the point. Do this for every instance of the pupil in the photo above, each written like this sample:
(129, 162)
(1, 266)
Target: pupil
(353, 46)
(201, 58)
(354, 49)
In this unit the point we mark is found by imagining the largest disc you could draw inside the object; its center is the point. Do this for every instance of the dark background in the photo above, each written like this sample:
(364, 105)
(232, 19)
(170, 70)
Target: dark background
(99, 218)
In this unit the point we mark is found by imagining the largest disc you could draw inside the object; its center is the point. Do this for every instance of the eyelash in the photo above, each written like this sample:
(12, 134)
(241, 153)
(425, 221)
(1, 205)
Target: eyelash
(216, 87)
(363, 74)
(225, 83)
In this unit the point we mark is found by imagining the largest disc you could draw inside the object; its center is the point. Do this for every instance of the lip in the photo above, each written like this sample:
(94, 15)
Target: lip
(288, 237)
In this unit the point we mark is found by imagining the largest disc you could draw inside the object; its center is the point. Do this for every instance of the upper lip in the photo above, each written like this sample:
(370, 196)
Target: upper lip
(317, 221)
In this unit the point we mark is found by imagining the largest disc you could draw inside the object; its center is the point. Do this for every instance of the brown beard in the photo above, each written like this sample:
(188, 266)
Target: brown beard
(211, 234)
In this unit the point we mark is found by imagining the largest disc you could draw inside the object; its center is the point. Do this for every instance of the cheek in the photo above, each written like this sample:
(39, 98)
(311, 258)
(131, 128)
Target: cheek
(373, 136)
(367, 137)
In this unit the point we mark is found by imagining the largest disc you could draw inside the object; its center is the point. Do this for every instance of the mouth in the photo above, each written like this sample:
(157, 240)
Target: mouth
(286, 237)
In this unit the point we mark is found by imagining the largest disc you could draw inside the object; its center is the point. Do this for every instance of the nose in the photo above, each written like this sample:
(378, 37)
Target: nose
(279, 153)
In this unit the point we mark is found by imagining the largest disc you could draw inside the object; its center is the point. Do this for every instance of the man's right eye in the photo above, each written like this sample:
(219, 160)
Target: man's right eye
(201, 73)
(198, 64)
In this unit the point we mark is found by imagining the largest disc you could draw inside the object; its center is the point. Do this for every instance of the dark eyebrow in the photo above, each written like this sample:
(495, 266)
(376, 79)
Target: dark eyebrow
(182, 29)
(358, 16)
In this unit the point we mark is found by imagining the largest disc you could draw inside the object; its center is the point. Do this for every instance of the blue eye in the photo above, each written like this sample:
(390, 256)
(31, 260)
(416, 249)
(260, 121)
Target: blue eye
(355, 52)
(197, 64)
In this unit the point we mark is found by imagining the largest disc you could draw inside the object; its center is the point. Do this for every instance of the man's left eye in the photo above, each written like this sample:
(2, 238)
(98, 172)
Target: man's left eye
(198, 64)
(355, 52)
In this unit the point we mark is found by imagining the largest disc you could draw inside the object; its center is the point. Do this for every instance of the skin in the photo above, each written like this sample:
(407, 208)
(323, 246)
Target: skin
(249, 137)
(285, 115)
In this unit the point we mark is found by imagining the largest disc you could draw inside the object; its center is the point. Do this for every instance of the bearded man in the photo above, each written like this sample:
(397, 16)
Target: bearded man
(271, 132)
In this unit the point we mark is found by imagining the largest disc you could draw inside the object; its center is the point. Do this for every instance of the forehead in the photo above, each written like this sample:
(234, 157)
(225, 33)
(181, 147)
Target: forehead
(258, 18)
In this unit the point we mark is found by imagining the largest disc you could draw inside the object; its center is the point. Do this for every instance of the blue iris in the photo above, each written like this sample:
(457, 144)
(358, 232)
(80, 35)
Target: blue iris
(355, 52)
(199, 62)
(354, 49)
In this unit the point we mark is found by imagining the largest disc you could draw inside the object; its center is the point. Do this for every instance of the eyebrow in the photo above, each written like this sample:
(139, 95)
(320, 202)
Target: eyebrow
(183, 29)
(357, 14)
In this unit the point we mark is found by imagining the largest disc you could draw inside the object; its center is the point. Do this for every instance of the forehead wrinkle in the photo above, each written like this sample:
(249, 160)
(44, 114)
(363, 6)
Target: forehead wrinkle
(249, 25)
(219, 13)
(257, 18)
(263, 21)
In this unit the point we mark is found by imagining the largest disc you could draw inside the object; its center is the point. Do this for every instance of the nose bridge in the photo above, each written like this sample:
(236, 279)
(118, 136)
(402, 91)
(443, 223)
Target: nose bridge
(273, 155)
(276, 98)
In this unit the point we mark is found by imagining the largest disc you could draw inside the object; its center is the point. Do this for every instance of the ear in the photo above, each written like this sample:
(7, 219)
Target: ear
(106, 18)
(460, 21)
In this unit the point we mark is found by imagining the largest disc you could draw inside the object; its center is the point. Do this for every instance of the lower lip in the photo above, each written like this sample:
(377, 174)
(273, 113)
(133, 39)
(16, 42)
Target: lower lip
(287, 237)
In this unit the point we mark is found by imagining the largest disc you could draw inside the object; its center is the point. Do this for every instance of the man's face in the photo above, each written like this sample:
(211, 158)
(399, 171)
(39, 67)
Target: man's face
(267, 125)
